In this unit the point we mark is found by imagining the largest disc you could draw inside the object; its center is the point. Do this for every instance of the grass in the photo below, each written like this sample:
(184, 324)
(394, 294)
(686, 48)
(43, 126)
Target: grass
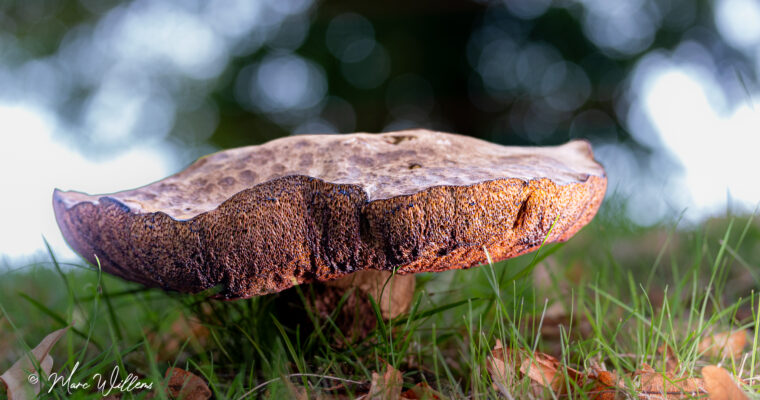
(612, 296)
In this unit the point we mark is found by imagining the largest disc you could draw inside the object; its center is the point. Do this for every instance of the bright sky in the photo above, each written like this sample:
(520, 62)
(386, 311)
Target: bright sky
(34, 162)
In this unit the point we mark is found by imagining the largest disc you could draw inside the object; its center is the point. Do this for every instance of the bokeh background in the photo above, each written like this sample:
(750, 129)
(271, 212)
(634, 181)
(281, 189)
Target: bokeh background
(103, 95)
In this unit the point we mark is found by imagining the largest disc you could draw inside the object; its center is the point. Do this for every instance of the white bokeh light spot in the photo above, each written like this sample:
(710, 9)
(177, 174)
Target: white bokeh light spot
(31, 177)
(739, 21)
(716, 151)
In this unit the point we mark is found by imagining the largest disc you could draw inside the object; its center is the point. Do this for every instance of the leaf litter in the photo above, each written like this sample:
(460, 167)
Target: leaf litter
(508, 365)
(22, 380)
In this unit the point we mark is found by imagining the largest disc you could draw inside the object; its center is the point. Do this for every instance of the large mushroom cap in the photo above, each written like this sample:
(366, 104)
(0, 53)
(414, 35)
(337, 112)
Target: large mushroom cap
(261, 219)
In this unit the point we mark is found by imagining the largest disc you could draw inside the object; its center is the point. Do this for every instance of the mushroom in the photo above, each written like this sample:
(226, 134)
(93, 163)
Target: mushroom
(322, 208)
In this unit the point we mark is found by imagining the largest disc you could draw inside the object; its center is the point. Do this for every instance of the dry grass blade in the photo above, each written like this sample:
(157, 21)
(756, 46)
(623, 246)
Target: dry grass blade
(295, 392)
(720, 385)
(22, 380)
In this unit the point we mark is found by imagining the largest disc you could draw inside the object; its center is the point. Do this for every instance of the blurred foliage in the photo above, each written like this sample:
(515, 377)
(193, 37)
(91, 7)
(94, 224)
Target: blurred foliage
(437, 41)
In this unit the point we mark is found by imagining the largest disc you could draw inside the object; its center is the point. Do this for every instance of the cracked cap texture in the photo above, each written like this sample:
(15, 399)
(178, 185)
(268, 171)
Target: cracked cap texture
(260, 219)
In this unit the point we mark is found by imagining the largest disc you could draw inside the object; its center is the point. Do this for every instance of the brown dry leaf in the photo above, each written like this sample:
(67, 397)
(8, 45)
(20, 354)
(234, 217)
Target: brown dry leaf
(655, 385)
(387, 386)
(595, 366)
(672, 363)
(501, 368)
(724, 344)
(607, 386)
(422, 391)
(17, 380)
(543, 370)
(720, 385)
(547, 371)
(186, 385)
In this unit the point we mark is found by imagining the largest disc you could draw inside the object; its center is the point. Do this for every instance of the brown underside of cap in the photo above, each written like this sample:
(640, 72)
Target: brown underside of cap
(296, 228)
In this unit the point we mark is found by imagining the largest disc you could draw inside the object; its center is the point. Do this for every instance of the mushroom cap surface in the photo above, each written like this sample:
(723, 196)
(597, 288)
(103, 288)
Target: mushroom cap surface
(260, 219)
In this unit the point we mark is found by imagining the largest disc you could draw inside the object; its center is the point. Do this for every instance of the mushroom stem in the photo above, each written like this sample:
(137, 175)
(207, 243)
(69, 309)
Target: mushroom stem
(392, 292)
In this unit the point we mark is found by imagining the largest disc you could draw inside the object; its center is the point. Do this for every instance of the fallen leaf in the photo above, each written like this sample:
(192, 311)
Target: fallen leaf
(549, 372)
(724, 343)
(595, 365)
(672, 363)
(422, 391)
(542, 369)
(655, 385)
(720, 385)
(21, 381)
(186, 385)
(607, 386)
(387, 386)
(500, 368)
